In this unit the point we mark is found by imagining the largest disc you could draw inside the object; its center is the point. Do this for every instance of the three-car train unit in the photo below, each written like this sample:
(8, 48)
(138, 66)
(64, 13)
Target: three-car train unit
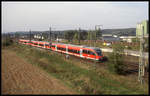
(76, 50)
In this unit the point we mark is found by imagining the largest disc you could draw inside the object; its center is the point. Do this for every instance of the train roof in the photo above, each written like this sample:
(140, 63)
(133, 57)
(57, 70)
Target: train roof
(81, 46)
(94, 48)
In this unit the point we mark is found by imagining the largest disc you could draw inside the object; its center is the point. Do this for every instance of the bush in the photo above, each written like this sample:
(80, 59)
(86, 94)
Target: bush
(7, 42)
(116, 64)
(129, 47)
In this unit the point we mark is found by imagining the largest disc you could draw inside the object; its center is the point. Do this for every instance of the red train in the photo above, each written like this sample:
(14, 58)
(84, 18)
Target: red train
(76, 50)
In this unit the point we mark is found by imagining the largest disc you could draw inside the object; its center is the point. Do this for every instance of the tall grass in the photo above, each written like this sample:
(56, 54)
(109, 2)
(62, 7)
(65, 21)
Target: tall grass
(6, 42)
(80, 79)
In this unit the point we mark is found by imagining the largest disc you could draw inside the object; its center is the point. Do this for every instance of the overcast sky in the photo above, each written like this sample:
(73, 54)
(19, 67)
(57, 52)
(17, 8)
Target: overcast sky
(23, 16)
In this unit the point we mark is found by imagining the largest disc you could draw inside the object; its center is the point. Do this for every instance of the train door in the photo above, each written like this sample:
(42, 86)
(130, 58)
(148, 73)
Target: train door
(81, 52)
(56, 47)
(44, 44)
(67, 49)
(38, 44)
(88, 54)
(84, 53)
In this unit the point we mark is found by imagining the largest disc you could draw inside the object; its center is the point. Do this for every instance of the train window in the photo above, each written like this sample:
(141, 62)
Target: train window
(46, 44)
(92, 53)
(52, 45)
(85, 51)
(75, 51)
(64, 49)
(41, 44)
(70, 50)
(35, 44)
(98, 51)
(78, 51)
(58, 48)
(88, 52)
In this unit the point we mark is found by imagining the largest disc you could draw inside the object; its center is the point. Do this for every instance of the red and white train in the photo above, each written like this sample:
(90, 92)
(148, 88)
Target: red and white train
(76, 50)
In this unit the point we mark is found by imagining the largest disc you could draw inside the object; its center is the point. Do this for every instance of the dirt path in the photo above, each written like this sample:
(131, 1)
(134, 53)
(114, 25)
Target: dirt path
(20, 77)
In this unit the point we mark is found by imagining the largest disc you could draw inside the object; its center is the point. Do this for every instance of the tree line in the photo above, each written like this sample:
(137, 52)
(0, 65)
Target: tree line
(82, 35)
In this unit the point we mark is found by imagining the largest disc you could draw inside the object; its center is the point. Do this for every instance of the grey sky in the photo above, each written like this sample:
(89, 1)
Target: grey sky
(22, 16)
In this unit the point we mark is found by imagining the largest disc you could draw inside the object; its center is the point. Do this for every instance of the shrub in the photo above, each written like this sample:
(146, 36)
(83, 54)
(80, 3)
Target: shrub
(129, 47)
(116, 64)
(7, 42)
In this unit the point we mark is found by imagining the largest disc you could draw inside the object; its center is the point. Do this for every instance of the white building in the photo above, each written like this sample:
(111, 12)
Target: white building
(127, 38)
(38, 37)
(58, 39)
(107, 35)
(115, 36)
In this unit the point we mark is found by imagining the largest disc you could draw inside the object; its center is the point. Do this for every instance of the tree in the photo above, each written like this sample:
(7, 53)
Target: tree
(116, 64)
(69, 34)
(89, 35)
(99, 33)
(83, 35)
(76, 36)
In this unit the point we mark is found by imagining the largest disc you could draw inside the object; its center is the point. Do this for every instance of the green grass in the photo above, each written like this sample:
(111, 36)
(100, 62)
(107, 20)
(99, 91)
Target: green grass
(84, 81)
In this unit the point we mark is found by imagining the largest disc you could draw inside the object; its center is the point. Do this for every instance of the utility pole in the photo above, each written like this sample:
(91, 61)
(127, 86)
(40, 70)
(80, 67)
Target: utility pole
(18, 37)
(99, 29)
(100, 33)
(50, 38)
(79, 35)
(50, 34)
(141, 58)
(95, 37)
(30, 37)
(90, 38)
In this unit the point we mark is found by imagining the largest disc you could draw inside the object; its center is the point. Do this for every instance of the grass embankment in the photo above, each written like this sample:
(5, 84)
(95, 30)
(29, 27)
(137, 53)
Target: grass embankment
(84, 80)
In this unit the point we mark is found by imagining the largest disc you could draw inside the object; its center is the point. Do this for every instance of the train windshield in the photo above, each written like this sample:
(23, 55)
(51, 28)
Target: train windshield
(98, 51)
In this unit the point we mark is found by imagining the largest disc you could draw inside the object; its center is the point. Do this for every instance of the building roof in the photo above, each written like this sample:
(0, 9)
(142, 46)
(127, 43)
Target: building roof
(110, 38)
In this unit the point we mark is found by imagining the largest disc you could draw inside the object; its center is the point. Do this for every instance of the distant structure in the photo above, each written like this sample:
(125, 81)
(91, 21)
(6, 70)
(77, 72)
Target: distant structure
(103, 35)
(38, 36)
(110, 38)
(145, 24)
(59, 39)
(127, 38)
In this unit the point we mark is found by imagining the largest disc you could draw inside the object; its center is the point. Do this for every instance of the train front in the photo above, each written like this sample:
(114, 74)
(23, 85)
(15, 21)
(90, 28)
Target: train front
(99, 55)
